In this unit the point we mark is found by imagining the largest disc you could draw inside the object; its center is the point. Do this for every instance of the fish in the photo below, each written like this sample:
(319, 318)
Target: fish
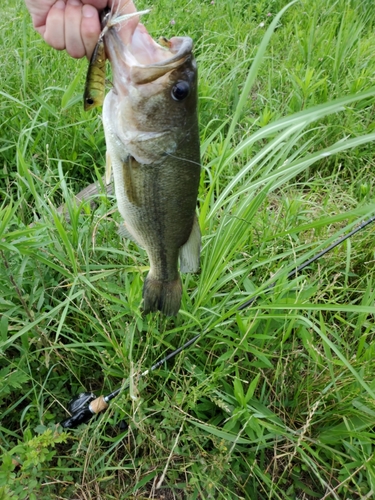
(150, 119)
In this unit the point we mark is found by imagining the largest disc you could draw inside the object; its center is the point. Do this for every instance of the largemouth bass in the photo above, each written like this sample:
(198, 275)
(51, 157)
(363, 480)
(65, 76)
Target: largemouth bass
(151, 130)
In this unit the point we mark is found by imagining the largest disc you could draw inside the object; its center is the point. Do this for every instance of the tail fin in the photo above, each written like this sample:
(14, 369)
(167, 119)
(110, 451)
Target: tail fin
(162, 296)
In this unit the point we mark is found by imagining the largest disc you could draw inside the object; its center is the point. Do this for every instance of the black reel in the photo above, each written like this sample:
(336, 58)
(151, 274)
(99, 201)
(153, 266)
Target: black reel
(80, 401)
(79, 407)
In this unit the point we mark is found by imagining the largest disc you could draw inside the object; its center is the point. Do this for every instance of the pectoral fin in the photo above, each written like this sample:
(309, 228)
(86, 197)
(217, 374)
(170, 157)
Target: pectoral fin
(190, 251)
(129, 168)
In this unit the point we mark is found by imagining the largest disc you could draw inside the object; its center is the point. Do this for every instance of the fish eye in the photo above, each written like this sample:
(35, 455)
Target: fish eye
(90, 100)
(180, 91)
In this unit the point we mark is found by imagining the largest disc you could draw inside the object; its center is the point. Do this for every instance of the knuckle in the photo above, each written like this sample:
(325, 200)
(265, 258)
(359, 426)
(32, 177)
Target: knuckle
(56, 43)
(76, 53)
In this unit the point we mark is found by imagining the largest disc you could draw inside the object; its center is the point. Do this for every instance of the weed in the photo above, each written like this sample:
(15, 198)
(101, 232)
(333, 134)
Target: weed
(275, 401)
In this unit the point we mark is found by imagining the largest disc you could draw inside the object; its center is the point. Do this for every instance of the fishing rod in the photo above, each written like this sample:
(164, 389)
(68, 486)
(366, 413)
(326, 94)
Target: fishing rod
(86, 405)
(300, 268)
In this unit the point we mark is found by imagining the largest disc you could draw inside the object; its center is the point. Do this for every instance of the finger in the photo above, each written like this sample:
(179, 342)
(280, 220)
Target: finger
(39, 11)
(101, 4)
(98, 4)
(54, 33)
(123, 6)
(90, 28)
(73, 17)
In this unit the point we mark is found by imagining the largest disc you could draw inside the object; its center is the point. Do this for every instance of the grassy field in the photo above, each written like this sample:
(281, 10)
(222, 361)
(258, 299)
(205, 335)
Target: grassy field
(276, 401)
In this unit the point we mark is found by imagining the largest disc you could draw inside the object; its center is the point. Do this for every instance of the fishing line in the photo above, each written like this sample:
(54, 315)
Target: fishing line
(300, 268)
(86, 405)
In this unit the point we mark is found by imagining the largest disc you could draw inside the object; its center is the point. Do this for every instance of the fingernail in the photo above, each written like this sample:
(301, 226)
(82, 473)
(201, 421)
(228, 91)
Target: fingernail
(88, 11)
(75, 3)
(60, 4)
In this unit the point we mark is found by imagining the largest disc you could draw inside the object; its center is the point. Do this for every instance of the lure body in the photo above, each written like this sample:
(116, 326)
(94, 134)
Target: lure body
(95, 79)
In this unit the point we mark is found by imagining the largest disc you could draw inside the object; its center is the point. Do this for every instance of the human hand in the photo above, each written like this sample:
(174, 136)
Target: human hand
(73, 25)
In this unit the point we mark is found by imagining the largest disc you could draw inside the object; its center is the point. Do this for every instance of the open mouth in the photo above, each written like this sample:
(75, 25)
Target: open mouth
(136, 57)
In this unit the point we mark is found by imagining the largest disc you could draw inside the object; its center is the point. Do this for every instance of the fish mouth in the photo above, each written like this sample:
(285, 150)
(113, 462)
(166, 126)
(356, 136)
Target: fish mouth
(137, 59)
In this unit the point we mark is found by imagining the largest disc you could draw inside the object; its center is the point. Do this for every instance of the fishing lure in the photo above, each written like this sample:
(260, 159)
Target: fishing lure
(95, 80)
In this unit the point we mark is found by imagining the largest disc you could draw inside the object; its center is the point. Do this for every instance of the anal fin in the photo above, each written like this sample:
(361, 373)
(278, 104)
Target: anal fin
(108, 168)
(124, 232)
(190, 251)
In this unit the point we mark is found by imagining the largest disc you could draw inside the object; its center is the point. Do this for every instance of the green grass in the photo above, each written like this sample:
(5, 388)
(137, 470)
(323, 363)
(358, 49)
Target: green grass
(273, 402)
